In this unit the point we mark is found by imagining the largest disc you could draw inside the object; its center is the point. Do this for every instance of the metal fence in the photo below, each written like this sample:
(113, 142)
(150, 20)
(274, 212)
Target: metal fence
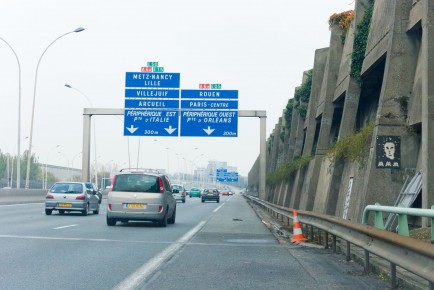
(410, 254)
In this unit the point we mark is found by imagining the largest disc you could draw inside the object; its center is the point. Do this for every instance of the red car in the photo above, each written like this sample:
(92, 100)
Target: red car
(225, 192)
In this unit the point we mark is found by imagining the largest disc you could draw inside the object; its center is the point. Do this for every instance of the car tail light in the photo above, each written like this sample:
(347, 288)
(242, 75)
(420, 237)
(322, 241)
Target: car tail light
(113, 183)
(109, 206)
(160, 209)
(49, 196)
(183, 193)
(81, 197)
(160, 181)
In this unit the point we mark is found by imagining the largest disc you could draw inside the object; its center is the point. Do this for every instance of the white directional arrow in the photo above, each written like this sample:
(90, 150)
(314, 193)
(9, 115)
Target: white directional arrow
(170, 130)
(132, 129)
(209, 130)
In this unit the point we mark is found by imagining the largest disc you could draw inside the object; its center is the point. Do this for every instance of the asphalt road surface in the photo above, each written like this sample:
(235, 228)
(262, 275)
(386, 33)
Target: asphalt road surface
(211, 246)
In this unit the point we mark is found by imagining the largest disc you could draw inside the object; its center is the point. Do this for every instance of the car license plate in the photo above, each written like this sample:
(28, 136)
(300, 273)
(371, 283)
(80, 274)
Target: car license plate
(210, 194)
(134, 205)
(65, 204)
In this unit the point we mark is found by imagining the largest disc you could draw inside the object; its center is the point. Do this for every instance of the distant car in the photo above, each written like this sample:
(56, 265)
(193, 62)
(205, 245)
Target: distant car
(72, 196)
(178, 192)
(211, 194)
(141, 195)
(195, 192)
(225, 192)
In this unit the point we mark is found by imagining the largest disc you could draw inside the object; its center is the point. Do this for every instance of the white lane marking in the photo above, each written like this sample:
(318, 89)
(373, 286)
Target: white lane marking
(218, 208)
(65, 227)
(149, 268)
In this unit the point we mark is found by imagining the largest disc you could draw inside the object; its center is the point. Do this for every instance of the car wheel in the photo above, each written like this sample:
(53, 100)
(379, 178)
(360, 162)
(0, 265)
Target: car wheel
(218, 200)
(86, 210)
(61, 211)
(163, 222)
(173, 217)
(183, 201)
(111, 222)
(48, 211)
(203, 200)
(97, 210)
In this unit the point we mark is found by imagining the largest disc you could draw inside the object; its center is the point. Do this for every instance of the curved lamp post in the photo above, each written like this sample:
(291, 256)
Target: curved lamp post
(29, 152)
(19, 114)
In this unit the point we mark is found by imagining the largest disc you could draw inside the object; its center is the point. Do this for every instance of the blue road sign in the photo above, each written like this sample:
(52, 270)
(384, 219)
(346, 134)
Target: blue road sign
(232, 177)
(209, 94)
(151, 104)
(152, 93)
(209, 123)
(152, 80)
(151, 123)
(209, 104)
(221, 174)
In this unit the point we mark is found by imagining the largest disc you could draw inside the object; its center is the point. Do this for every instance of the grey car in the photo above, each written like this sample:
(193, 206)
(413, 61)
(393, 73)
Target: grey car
(141, 195)
(72, 196)
(179, 192)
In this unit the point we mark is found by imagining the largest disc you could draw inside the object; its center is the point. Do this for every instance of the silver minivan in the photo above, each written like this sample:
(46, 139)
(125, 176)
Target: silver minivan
(140, 195)
(72, 196)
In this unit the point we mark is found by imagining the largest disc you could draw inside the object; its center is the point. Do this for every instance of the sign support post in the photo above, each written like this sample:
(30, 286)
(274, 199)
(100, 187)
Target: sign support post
(89, 112)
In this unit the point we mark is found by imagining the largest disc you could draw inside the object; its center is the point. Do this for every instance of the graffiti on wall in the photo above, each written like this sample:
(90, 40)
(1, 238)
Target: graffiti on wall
(388, 152)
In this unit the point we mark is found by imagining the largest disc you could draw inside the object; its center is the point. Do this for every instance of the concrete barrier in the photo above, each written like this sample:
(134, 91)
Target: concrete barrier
(10, 196)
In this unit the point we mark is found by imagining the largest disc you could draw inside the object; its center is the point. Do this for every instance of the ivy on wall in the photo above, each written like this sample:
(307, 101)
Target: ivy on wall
(360, 39)
(353, 147)
(302, 95)
(282, 134)
(287, 169)
(288, 114)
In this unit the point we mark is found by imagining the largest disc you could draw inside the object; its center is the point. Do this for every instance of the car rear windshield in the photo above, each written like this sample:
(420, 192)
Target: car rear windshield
(136, 183)
(178, 187)
(67, 188)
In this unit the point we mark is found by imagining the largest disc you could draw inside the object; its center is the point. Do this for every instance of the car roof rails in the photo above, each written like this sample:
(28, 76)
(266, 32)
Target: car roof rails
(140, 170)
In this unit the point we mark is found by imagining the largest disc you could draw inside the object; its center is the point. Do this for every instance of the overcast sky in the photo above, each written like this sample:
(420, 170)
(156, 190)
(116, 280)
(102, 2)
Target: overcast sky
(258, 47)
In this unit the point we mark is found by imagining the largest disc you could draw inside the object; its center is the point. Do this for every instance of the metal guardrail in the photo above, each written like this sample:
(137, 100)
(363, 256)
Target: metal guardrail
(410, 254)
(402, 213)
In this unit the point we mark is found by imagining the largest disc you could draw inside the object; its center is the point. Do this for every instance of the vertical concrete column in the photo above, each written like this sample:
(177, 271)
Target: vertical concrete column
(299, 136)
(317, 78)
(85, 165)
(292, 135)
(332, 69)
(262, 158)
(349, 113)
(427, 107)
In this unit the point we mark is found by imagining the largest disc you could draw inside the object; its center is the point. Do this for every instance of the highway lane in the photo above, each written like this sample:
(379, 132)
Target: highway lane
(43, 252)
(211, 246)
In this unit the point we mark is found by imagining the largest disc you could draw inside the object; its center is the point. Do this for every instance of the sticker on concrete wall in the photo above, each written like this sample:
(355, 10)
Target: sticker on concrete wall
(347, 199)
(388, 152)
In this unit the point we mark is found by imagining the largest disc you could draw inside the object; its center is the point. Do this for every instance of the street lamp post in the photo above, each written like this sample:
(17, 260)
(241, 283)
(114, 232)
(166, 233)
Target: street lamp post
(29, 152)
(19, 114)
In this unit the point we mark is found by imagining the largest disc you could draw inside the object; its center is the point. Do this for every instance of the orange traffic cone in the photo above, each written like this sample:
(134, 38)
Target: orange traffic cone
(298, 235)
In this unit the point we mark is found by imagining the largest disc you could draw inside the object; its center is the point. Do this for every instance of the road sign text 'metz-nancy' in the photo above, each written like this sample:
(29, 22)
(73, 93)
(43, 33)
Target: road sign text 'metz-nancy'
(152, 80)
